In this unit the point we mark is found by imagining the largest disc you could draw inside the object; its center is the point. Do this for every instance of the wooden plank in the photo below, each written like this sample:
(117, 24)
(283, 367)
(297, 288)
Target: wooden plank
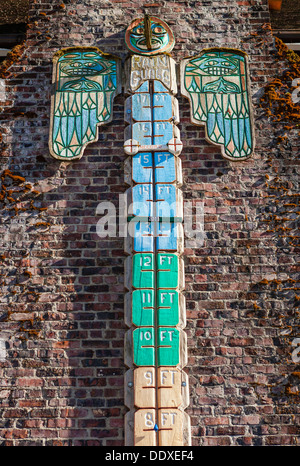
(169, 381)
(212, 90)
(144, 433)
(170, 424)
(144, 387)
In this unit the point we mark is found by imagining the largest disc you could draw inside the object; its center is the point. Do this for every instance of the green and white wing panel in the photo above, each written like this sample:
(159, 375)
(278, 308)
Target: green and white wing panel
(216, 82)
(85, 82)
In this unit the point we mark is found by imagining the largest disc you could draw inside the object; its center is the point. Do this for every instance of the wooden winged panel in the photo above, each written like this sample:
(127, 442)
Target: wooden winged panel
(216, 82)
(85, 82)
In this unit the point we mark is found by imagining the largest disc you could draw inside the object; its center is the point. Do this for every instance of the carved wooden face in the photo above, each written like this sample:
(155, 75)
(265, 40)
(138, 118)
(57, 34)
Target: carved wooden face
(83, 64)
(157, 38)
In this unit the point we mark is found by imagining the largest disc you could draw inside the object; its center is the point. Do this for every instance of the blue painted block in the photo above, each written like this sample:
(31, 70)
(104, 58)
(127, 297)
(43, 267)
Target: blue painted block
(166, 236)
(142, 168)
(165, 171)
(143, 237)
(165, 195)
(143, 88)
(142, 200)
(162, 107)
(162, 132)
(141, 109)
(142, 132)
(159, 87)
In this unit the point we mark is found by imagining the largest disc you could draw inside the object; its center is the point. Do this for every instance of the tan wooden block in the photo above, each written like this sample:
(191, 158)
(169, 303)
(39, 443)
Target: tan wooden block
(144, 387)
(169, 387)
(140, 68)
(144, 433)
(170, 424)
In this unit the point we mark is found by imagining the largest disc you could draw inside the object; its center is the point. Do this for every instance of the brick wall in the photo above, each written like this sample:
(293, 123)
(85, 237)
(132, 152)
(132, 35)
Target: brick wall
(62, 294)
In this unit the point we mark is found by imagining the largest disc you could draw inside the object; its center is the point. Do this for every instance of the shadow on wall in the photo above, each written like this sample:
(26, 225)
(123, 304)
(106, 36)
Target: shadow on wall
(62, 285)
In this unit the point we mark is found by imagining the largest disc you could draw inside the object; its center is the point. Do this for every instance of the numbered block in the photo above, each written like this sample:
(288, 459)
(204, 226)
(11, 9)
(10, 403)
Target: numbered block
(144, 433)
(140, 308)
(142, 168)
(142, 200)
(168, 307)
(143, 270)
(144, 387)
(142, 132)
(170, 424)
(162, 133)
(167, 168)
(167, 270)
(169, 386)
(137, 106)
(162, 106)
(143, 307)
(169, 237)
(140, 270)
(144, 346)
(142, 235)
(168, 348)
(166, 200)
(143, 240)
(168, 351)
(141, 107)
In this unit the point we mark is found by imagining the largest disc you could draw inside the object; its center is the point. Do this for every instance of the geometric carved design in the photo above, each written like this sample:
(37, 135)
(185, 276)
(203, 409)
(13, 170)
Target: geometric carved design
(216, 82)
(85, 83)
(155, 345)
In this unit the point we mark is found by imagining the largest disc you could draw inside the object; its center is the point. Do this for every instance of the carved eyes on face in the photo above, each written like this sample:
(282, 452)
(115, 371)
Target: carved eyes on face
(149, 35)
(214, 63)
(156, 29)
(85, 67)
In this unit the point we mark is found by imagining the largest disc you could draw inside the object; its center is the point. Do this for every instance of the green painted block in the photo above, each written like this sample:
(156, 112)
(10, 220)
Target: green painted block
(143, 346)
(143, 307)
(143, 270)
(167, 270)
(143, 303)
(168, 307)
(168, 346)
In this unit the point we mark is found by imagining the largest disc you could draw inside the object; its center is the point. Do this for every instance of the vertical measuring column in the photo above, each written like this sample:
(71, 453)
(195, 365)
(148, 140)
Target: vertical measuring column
(155, 347)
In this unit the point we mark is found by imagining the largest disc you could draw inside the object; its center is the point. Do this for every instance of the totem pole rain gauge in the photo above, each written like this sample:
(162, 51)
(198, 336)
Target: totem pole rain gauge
(216, 82)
